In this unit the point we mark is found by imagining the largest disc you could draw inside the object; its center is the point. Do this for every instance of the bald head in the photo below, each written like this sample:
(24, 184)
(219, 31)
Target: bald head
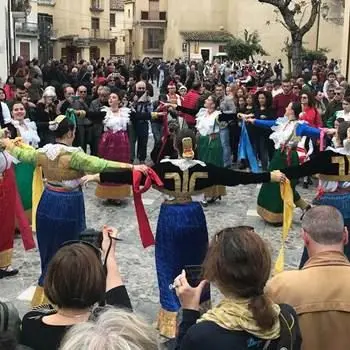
(324, 224)
(141, 86)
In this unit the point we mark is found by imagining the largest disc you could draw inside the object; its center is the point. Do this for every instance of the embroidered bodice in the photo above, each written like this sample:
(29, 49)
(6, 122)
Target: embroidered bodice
(116, 121)
(64, 165)
(27, 131)
(206, 123)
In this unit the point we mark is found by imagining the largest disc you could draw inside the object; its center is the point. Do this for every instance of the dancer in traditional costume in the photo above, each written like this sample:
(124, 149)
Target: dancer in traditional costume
(114, 145)
(182, 236)
(10, 210)
(333, 167)
(59, 208)
(27, 130)
(286, 136)
(209, 145)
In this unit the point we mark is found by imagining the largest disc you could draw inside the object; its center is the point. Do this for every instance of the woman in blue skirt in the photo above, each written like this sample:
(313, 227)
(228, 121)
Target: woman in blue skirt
(58, 207)
(182, 235)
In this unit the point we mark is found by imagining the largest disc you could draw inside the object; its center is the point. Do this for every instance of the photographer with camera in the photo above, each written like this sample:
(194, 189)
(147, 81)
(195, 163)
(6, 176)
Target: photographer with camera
(76, 282)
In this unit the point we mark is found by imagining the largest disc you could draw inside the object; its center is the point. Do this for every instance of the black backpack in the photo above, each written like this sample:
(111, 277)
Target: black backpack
(290, 337)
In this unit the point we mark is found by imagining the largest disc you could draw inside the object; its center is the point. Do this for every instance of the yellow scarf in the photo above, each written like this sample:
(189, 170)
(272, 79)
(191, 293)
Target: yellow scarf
(288, 206)
(234, 315)
(38, 189)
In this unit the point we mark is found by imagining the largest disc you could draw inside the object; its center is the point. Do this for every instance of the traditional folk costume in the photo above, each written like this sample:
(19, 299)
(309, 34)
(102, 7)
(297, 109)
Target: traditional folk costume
(24, 171)
(58, 209)
(286, 137)
(333, 167)
(11, 209)
(209, 145)
(114, 145)
(182, 235)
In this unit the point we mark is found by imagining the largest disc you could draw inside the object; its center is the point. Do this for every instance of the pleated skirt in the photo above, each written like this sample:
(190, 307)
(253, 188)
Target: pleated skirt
(60, 218)
(181, 239)
(114, 146)
(7, 216)
(270, 204)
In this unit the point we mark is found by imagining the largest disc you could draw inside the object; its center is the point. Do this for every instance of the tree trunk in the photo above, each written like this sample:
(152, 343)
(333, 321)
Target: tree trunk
(297, 44)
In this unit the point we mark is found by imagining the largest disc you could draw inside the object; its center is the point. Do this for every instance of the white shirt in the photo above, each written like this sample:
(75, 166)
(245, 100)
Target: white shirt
(6, 113)
(206, 123)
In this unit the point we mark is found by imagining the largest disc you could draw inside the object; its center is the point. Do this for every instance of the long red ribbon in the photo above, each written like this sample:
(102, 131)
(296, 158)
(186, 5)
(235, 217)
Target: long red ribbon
(146, 234)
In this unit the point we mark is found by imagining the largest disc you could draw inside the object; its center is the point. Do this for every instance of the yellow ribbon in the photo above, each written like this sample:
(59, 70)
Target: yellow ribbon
(288, 207)
(38, 189)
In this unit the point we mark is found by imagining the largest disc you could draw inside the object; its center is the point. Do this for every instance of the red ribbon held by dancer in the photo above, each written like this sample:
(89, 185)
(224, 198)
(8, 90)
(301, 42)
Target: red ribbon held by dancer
(146, 234)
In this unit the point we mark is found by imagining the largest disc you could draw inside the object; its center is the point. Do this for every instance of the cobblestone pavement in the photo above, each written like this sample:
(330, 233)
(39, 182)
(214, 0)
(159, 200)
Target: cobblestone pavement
(137, 264)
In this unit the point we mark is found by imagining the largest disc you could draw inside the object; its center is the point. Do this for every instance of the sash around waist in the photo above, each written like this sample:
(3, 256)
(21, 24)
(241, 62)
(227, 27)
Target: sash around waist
(58, 188)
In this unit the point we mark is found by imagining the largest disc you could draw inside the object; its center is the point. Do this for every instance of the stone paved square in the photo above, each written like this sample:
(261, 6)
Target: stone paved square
(137, 264)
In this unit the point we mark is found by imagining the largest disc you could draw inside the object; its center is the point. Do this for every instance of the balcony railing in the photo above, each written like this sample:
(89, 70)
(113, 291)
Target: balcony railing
(47, 2)
(27, 28)
(99, 34)
(96, 5)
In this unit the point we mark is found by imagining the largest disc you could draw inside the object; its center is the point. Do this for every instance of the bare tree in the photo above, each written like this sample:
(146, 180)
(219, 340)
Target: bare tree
(289, 11)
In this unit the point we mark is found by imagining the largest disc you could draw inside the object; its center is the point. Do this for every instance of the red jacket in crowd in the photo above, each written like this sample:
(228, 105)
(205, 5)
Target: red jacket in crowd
(190, 101)
(281, 101)
(312, 117)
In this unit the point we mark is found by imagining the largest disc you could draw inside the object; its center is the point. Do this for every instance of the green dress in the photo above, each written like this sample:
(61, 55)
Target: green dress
(270, 204)
(24, 178)
(210, 150)
(209, 146)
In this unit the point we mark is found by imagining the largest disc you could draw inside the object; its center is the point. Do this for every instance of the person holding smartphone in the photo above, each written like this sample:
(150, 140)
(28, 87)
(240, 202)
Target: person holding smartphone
(182, 235)
(76, 282)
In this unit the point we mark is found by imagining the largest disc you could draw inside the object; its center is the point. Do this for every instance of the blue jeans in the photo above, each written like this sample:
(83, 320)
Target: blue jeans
(226, 146)
(140, 136)
(157, 130)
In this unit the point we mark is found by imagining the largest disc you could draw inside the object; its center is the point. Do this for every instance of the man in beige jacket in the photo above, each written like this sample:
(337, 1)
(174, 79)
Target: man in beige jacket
(320, 292)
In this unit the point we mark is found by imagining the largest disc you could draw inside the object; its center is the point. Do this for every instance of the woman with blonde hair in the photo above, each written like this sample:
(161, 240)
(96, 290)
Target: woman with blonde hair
(113, 330)
(238, 262)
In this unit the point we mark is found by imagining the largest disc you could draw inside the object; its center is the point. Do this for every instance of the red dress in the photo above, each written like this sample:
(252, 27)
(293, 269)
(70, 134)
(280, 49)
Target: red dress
(11, 209)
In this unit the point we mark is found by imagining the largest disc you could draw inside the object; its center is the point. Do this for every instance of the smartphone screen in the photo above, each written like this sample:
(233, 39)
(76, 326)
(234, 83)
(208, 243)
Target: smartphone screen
(194, 278)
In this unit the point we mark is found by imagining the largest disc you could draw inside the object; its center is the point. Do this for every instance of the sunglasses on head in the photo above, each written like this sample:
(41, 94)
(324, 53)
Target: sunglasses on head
(88, 244)
(221, 233)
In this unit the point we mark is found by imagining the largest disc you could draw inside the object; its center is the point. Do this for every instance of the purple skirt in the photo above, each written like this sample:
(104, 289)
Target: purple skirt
(115, 146)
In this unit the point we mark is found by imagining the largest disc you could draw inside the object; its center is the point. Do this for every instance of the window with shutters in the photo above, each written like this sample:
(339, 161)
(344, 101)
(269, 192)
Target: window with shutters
(153, 39)
(112, 20)
(144, 15)
(95, 23)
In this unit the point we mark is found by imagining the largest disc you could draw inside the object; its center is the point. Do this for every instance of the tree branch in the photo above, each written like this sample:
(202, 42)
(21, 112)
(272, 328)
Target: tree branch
(284, 25)
(287, 3)
(314, 12)
(277, 3)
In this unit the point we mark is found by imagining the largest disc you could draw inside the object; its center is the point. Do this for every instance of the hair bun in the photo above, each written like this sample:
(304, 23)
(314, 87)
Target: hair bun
(53, 125)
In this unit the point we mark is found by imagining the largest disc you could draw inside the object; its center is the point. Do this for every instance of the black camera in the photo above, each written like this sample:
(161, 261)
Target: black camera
(92, 236)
